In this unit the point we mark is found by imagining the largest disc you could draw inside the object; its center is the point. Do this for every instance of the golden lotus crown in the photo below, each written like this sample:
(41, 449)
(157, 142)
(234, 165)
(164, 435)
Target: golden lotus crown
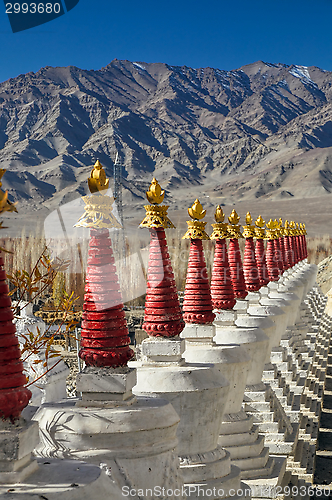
(196, 228)
(220, 227)
(271, 225)
(155, 195)
(156, 216)
(234, 229)
(248, 219)
(260, 222)
(196, 211)
(97, 181)
(219, 215)
(234, 217)
(280, 222)
(98, 210)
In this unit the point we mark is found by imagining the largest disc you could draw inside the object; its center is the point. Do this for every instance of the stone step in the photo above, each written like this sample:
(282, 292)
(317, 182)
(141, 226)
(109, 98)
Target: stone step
(248, 450)
(226, 440)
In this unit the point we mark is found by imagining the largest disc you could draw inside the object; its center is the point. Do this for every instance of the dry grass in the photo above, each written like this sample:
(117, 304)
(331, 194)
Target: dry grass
(319, 248)
(131, 255)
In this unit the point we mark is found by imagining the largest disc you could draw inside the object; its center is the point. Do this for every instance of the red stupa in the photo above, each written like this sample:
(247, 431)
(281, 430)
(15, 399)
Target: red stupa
(289, 251)
(260, 252)
(162, 315)
(222, 292)
(234, 257)
(104, 336)
(271, 251)
(250, 267)
(13, 395)
(197, 303)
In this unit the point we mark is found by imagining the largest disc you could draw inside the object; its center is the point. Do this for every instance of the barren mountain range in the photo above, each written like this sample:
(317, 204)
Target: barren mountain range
(254, 137)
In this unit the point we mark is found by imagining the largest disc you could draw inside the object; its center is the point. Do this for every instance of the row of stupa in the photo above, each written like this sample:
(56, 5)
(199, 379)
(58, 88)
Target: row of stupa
(210, 407)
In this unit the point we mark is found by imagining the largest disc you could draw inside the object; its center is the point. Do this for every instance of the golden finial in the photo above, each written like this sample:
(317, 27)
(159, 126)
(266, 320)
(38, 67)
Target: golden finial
(234, 217)
(248, 219)
(292, 228)
(304, 229)
(219, 214)
(260, 222)
(233, 226)
(271, 227)
(196, 211)
(249, 228)
(196, 228)
(156, 216)
(220, 228)
(259, 230)
(98, 181)
(155, 195)
(286, 229)
(5, 204)
(98, 210)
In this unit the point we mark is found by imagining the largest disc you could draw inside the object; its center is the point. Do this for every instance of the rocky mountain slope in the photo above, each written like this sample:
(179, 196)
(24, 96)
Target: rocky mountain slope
(261, 132)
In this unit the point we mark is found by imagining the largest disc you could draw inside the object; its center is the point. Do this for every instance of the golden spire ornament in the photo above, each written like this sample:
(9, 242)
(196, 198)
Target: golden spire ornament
(287, 230)
(271, 227)
(97, 181)
(196, 227)
(234, 228)
(249, 228)
(281, 228)
(220, 228)
(259, 229)
(156, 216)
(98, 206)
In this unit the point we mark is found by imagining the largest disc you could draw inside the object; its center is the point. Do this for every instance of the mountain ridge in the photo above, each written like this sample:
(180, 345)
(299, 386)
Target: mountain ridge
(259, 132)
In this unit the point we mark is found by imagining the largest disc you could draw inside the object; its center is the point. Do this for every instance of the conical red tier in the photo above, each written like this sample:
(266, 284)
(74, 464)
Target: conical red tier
(197, 303)
(250, 268)
(162, 315)
(235, 266)
(298, 248)
(283, 252)
(271, 261)
(278, 255)
(104, 336)
(288, 252)
(294, 248)
(221, 284)
(261, 262)
(13, 395)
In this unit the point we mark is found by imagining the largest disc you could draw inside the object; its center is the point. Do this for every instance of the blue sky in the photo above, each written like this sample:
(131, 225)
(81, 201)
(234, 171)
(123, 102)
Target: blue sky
(213, 33)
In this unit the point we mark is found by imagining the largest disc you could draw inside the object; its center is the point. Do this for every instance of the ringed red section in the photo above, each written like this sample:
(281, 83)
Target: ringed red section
(162, 314)
(104, 337)
(13, 395)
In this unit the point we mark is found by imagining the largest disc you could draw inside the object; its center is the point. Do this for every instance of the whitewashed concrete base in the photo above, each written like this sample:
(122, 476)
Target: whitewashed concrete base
(133, 437)
(198, 393)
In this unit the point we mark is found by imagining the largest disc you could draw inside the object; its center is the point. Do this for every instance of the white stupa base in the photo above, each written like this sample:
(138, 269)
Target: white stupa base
(198, 393)
(136, 442)
(65, 479)
(133, 437)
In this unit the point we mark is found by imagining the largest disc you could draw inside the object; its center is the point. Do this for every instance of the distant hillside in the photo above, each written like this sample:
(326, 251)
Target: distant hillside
(261, 132)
